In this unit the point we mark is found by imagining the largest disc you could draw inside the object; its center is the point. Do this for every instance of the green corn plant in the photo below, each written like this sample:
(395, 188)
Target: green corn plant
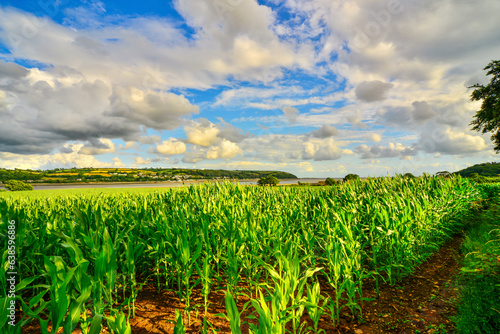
(4, 326)
(60, 295)
(289, 282)
(313, 307)
(382, 228)
(233, 314)
(28, 312)
(82, 287)
(334, 258)
(179, 326)
(233, 265)
(96, 324)
(271, 319)
(118, 323)
(105, 274)
(206, 326)
(187, 265)
(205, 274)
(351, 266)
(132, 252)
(76, 309)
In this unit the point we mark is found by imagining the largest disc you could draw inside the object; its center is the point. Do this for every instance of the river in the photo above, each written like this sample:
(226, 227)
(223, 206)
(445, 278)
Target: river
(55, 186)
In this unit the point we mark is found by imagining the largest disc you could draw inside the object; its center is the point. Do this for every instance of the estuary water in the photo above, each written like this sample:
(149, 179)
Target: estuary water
(157, 184)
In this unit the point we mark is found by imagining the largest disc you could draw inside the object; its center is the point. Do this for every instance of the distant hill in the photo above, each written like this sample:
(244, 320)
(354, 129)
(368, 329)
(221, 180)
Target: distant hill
(77, 175)
(486, 169)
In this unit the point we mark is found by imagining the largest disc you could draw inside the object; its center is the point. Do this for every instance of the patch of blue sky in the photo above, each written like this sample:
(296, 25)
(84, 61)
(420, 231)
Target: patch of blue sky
(205, 100)
(309, 81)
(52, 9)
(28, 6)
(378, 127)
(228, 115)
(285, 16)
(4, 50)
(109, 12)
(197, 96)
(395, 133)
(273, 4)
(37, 7)
(141, 8)
(30, 63)
(150, 8)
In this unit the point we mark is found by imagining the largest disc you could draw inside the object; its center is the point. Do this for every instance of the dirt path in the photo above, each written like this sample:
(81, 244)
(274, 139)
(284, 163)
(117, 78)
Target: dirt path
(422, 303)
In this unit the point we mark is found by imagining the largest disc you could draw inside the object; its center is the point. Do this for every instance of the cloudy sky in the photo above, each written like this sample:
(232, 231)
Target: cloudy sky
(313, 87)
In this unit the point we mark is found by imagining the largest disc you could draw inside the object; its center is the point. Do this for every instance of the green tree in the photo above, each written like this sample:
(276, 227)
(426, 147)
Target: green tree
(487, 119)
(268, 180)
(351, 177)
(14, 185)
(444, 174)
(330, 182)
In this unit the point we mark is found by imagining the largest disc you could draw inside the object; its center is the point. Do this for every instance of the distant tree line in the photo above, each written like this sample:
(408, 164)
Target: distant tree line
(485, 169)
(67, 175)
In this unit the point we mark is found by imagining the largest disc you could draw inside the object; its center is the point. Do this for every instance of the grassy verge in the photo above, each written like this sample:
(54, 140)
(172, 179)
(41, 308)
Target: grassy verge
(479, 305)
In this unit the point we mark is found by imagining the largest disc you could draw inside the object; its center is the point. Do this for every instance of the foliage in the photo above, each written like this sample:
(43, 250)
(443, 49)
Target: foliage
(476, 178)
(351, 177)
(443, 174)
(485, 169)
(86, 254)
(489, 191)
(478, 310)
(60, 175)
(330, 182)
(14, 185)
(268, 181)
(409, 175)
(487, 119)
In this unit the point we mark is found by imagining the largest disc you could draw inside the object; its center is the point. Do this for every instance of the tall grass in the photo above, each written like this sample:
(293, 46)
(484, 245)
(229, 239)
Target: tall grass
(479, 282)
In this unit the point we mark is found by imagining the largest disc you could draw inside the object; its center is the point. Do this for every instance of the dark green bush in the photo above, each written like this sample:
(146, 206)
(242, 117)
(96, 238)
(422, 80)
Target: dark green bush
(351, 177)
(14, 185)
(268, 180)
(331, 182)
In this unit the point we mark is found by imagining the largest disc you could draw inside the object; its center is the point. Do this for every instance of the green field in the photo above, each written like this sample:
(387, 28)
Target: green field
(84, 255)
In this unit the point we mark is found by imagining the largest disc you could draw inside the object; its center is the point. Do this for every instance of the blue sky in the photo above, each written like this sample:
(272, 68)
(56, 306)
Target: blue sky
(317, 88)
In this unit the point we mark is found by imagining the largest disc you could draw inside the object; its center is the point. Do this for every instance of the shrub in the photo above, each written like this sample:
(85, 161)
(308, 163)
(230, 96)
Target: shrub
(14, 185)
(330, 182)
(352, 177)
(268, 180)
(445, 174)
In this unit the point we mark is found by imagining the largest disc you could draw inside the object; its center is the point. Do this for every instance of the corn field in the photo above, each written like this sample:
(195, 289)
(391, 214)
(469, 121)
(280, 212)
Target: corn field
(84, 257)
